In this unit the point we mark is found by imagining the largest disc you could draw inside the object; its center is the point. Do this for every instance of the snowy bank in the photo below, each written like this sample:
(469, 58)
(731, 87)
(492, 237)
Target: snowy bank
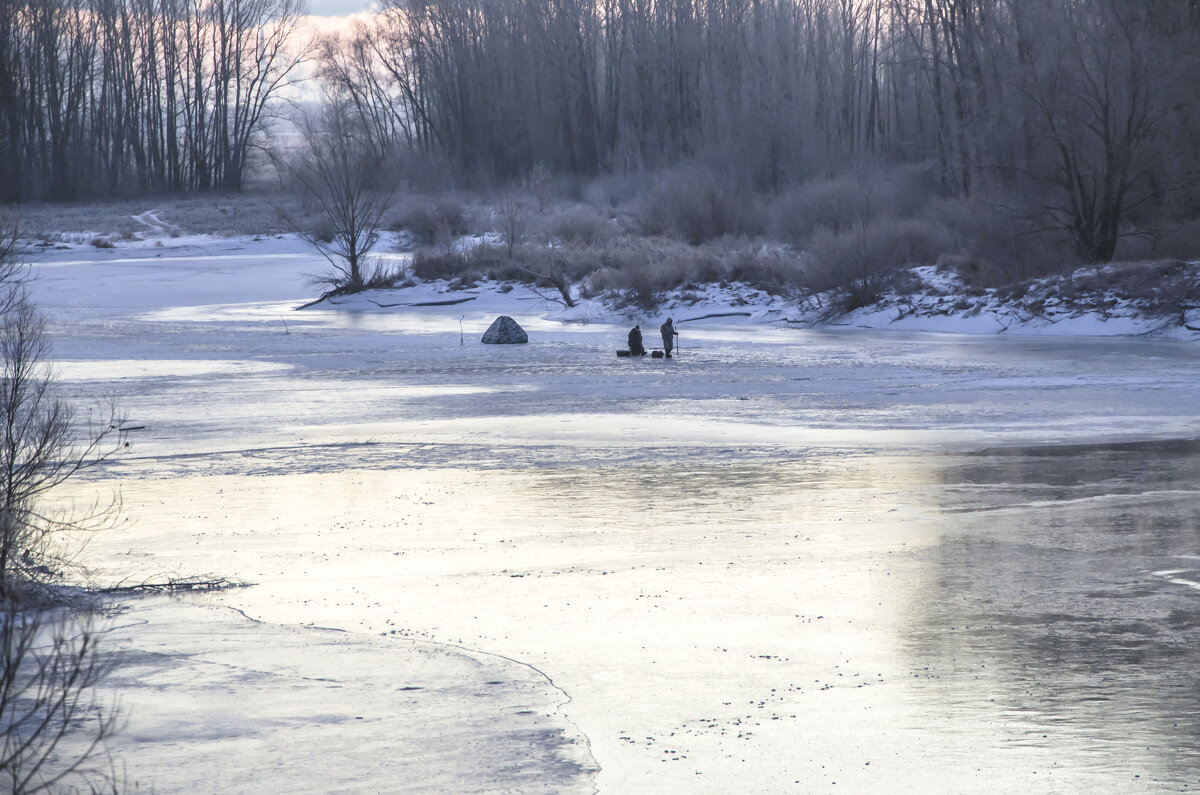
(1083, 303)
(1119, 299)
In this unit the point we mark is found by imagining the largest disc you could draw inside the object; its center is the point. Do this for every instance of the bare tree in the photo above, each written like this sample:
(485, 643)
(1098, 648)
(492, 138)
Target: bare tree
(257, 46)
(541, 185)
(104, 96)
(12, 270)
(352, 68)
(54, 728)
(350, 183)
(549, 269)
(39, 446)
(1095, 105)
(38, 452)
(512, 217)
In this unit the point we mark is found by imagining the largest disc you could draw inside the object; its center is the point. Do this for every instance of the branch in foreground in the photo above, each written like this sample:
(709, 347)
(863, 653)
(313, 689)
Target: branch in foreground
(199, 584)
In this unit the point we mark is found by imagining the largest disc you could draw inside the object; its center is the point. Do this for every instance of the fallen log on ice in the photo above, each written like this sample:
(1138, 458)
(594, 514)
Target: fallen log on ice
(715, 314)
(451, 302)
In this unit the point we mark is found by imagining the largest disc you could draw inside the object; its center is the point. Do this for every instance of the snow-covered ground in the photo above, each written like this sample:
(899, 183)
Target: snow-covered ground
(943, 304)
(940, 303)
(788, 559)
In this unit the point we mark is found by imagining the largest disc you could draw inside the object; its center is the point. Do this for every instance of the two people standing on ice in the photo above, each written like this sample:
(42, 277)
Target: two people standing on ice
(636, 348)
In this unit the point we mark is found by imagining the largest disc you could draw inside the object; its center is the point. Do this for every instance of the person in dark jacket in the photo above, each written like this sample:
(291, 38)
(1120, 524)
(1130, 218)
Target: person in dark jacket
(635, 342)
(668, 334)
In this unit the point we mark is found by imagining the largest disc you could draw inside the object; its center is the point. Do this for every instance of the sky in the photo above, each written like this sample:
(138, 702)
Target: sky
(338, 8)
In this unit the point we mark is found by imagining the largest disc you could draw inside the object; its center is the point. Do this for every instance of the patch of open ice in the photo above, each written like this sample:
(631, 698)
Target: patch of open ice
(113, 369)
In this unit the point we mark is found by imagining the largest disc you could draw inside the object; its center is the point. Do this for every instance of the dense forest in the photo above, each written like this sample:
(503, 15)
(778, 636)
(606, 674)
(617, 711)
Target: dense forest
(1076, 115)
(116, 97)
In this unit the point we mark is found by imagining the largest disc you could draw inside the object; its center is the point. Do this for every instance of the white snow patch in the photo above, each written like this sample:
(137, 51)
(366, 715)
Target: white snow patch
(1173, 576)
(468, 243)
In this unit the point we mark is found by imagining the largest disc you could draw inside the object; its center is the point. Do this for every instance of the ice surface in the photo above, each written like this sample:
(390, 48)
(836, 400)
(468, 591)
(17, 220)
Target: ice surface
(219, 703)
(808, 560)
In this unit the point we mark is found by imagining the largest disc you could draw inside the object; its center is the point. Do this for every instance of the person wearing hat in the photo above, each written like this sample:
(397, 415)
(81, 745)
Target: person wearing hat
(635, 342)
(668, 335)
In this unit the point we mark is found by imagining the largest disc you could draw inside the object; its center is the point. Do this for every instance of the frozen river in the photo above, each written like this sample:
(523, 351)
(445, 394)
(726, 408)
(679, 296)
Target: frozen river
(810, 561)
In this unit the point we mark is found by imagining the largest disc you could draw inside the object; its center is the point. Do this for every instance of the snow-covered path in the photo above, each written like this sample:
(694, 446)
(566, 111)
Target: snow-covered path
(806, 560)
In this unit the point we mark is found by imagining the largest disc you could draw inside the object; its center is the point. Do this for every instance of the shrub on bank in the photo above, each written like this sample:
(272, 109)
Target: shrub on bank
(696, 207)
(996, 244)
(834, 205)
(772, 271)
(1161, 288)
(580, 226)
(856, 197)
(855, 262)
(433, 222)
(633, 271)
(431, 264)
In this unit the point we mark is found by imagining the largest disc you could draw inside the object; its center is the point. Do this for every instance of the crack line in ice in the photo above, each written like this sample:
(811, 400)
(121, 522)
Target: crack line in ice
(1119, 497)
(587, 741)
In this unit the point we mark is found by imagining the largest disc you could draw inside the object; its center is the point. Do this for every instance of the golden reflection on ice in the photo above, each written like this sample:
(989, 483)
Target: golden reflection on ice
(657, 595)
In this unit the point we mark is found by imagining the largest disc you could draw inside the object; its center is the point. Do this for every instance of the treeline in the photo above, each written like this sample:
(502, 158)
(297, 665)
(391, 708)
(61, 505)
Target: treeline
(1080, 115)
(1090, 104)
(104, 97)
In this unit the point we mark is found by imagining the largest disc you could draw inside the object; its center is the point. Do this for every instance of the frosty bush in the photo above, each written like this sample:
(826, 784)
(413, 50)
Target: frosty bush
(857, 197)
(381, 276)
(770, 271)
(613, 190)
(430, 264)
(834, 204)
(1161, 288)
(320, 229)
(638, 272)
(997, 242)
(695, 206)
(434, 222)
(580, 226)
(855, 262)
(478, 262)
(511, 220)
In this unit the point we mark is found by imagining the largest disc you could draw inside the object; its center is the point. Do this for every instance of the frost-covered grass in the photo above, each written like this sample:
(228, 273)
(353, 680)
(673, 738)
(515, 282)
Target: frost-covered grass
(216, 215)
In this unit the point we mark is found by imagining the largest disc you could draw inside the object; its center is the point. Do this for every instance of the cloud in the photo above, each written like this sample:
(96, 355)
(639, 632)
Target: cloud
(341, 9)
(324, 24)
